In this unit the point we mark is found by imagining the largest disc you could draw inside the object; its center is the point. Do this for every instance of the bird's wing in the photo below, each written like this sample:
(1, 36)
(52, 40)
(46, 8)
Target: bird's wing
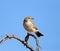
(33, 26)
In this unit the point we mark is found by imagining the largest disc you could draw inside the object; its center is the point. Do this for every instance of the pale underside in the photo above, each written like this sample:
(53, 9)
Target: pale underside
(30, 27)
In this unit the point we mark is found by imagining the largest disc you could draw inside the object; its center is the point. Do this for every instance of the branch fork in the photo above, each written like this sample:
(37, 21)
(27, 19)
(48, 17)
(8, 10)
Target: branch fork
(24, 42)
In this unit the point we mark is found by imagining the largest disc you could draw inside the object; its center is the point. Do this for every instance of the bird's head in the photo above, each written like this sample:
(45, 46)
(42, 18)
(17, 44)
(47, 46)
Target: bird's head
(28, 18)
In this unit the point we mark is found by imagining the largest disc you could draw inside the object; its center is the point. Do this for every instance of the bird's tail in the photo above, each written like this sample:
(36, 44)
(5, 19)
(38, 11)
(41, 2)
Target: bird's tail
(38, 34)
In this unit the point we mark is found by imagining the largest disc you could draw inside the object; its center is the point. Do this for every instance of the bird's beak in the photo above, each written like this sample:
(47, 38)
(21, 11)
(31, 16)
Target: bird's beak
(32, 18)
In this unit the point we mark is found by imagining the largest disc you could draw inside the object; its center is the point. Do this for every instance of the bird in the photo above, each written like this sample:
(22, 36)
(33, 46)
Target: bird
(30, 26)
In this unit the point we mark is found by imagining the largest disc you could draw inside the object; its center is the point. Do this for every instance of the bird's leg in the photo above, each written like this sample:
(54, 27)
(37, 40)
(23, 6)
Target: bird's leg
(27, 37)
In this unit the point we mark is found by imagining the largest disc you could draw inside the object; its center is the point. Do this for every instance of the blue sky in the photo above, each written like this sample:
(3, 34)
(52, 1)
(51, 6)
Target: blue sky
(47, 19)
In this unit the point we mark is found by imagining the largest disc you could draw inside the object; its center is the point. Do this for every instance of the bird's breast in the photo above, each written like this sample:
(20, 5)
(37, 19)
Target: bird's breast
(27, 26)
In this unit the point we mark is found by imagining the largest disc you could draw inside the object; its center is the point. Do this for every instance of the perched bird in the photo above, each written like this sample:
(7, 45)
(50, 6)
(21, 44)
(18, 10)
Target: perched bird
(30, 27)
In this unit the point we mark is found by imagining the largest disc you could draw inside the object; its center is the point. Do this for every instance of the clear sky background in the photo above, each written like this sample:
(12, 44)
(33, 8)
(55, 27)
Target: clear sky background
(47, 19)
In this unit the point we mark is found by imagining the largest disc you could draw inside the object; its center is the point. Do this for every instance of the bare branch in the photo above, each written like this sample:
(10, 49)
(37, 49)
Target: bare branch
(36, 38)
(19, 39)
(25, 43)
